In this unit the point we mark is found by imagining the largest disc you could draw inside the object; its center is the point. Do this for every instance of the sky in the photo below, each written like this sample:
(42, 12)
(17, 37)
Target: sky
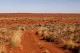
(39, 6)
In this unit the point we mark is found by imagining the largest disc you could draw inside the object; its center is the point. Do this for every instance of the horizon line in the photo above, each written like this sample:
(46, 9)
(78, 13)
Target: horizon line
(34, 13)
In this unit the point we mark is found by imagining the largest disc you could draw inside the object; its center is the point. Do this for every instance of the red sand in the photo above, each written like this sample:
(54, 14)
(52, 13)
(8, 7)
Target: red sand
(30, 42)
(22, 15)
(38, 15)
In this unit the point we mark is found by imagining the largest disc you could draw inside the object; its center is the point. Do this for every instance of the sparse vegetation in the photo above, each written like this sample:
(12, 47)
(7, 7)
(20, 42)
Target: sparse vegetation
(70, 44)
(41, 30)
(68, 34)
(10, 37)
(51, 32)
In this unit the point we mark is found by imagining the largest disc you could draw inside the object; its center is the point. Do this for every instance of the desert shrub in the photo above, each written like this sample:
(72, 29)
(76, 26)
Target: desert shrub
(76, 38)
(41, 30)
(72, 28)
(77, 26)
(40, 33)
(70, 44)
(58, 41)
(46, 37)
(16, 38)
(11, 37)
(52, 37)
(11, 44)
(49, 36)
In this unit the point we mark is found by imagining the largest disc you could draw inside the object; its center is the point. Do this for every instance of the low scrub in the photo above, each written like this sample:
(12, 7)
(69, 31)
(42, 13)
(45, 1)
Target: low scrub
(41, 30)
(70, 44)
(16, 38)
(12, 38)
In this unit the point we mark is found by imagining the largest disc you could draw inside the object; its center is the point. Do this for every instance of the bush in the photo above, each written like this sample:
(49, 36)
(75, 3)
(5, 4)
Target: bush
(46, 37)
(40, 33)
(11, 44)
(70, 45)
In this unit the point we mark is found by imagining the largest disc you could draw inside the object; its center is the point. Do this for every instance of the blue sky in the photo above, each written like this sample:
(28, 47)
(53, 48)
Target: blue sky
(40, 6)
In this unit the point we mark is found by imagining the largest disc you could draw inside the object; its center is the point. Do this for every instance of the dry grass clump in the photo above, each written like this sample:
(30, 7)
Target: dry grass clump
(10, 37)
(41, 30)
(16, 38)
(46, 36)
(70, 44)
(44, 32)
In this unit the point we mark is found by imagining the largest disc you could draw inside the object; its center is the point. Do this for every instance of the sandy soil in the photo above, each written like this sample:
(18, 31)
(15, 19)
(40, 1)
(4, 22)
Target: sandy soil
(38, 15)
(31, 43)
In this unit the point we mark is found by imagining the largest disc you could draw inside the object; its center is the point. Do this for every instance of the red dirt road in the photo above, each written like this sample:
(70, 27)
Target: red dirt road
(32, 44)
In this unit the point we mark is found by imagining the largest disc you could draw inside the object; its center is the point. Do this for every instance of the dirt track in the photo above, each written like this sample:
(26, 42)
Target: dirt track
(32, 44)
